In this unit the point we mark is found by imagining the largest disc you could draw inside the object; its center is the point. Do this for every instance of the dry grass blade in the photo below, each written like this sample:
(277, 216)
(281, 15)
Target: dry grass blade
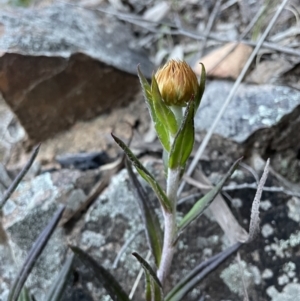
(231, 94)
(228, 4)
(241, 270)
(254, 186)
(209, 26)
(19, 177)
(227, 221)
(223, 214)
(266, 45)
(232, 187)
(251, 171)
(138, 278)
(254, 221)
(124, 248)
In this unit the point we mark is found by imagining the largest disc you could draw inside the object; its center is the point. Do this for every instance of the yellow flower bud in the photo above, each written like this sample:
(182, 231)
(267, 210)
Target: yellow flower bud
(177, 83)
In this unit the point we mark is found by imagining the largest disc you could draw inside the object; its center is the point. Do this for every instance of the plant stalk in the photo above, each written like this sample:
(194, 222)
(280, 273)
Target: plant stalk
(170, 226)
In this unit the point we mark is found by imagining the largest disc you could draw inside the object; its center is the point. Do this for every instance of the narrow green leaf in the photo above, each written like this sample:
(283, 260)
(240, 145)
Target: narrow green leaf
(153, 231)
(145, 174)
(201, 271)
(156, 288)
(24, 295)
(184, 140)
(33, 255)
(201, 88)
(158, 293)
(160, 127)
(148, 292)
(204, 202)
(111, 285)
(147, 266)
(58, 286)
(162, 111)
(162, 134)
(145, 85)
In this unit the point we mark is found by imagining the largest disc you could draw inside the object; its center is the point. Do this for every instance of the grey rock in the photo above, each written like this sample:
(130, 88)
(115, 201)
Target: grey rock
(62, 63)
(232, 277)
(109, 223)
(289, 293)
(252, 108)
(25, 215)
(61, 30)
(7, 270)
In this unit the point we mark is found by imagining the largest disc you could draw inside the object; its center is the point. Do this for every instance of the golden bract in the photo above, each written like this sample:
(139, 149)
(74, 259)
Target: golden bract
(177, 83)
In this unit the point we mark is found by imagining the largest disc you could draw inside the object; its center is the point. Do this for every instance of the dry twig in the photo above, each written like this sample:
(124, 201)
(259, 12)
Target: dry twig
(19, 177)
(124, 247)
(209, 26)
(241, 269)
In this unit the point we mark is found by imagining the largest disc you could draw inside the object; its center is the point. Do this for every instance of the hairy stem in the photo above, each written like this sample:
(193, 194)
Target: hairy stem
(170, 226)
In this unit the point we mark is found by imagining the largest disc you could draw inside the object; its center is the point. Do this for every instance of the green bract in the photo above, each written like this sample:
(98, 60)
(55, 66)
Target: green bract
(173, 87)
(184, 140)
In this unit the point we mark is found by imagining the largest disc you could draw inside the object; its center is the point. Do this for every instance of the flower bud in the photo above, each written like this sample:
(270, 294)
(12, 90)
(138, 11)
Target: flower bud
(177, 83)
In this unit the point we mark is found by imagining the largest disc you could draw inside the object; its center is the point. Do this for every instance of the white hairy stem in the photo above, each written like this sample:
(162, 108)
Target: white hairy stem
(170, 226)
